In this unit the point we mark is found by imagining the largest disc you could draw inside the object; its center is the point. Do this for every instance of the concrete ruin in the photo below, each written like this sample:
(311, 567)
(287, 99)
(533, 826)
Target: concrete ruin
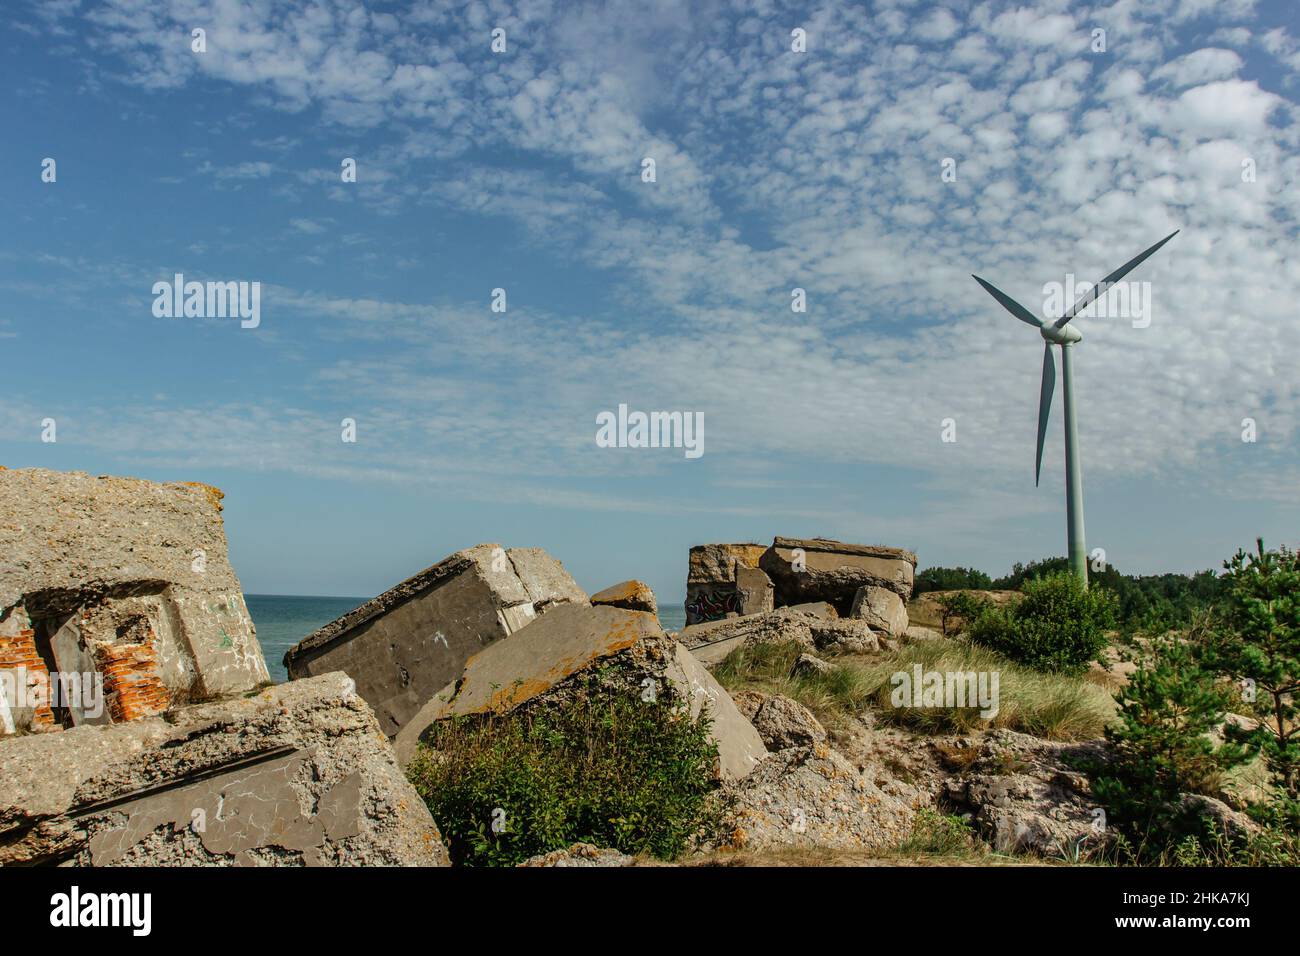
(629, 595)
(544, 665)
(297, 774)
(883, 609)
(712, 641)
(737, 580)
(117, 601)
(724, 580)
(820, 569)
(407, 644)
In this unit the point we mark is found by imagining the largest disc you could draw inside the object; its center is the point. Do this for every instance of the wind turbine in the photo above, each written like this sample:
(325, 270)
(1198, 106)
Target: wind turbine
(1062, 333)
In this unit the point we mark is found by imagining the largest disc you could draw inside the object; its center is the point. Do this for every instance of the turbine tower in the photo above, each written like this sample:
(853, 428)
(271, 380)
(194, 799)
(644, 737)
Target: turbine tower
(1062, 333)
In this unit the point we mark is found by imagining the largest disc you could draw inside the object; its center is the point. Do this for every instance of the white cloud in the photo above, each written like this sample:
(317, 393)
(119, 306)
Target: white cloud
(1025, 25)
(939, 25)
(1225, 106)
(1200, 67)
(237, 171)
(776, 170)
(310, 227)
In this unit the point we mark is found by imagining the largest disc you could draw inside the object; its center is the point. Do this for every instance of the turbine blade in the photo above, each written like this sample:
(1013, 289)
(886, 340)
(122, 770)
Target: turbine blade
(1010, 304)
(1115, 276)
(1044, 405)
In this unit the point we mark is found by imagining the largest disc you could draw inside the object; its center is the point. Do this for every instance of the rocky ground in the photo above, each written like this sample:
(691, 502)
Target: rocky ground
(859, 789)
(852, 794)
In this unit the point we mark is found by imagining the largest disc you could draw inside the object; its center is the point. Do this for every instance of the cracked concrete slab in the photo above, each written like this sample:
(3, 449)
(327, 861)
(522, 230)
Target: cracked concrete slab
(298, 774)
(543, 663)
(405, 645)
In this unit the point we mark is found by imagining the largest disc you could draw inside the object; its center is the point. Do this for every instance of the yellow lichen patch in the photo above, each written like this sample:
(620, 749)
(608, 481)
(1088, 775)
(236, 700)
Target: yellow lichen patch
(627, 589)
(480, 690)
(517, 693)
(625, 594)
(214, 493)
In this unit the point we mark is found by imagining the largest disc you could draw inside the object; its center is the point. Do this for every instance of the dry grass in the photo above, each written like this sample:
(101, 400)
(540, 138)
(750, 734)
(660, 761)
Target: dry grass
(1051, 706)
(834, 697)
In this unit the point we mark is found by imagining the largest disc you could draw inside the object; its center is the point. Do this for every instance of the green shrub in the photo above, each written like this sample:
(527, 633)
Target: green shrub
(1057, 626)
(1154, 603)
(1161, 748)
(609, 769)
(963, 607)
(1258, 639)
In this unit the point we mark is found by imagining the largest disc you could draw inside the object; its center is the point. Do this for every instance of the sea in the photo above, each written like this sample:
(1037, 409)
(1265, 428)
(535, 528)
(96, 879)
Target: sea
(282, 620)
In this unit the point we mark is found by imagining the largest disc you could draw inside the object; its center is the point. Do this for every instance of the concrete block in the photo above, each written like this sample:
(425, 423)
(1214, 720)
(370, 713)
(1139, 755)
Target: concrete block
(755, 590)
(712, 641)
(544, 579)
(297, 774)
(403, 646)
(819, 569)
(629, 595)
(131, 562)
(711, 580)
(882, 609)
(715, 563)
(538, 666)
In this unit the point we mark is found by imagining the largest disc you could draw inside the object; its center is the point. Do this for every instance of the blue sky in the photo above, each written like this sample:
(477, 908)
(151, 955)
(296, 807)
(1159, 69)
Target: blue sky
(775, 170)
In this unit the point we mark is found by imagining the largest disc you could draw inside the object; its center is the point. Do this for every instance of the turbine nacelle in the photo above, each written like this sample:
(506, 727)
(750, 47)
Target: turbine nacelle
(1065, 335)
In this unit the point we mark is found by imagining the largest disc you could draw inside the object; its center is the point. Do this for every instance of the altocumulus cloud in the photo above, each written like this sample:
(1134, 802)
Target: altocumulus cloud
(779, 170)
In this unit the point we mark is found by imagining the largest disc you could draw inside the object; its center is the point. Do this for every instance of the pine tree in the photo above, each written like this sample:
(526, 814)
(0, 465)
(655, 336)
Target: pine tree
(1161, 747)
(1258, 644)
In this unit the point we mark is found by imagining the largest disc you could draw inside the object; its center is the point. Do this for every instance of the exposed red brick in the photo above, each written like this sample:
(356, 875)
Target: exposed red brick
(18, 652)
(132, 683)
